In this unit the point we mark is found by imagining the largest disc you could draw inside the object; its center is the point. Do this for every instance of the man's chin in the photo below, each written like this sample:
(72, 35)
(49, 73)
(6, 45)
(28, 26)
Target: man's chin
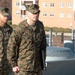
(4, 22)
(35, 20)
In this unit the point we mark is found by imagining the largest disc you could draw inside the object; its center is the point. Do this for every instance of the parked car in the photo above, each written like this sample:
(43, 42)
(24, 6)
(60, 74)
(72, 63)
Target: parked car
(59, 61)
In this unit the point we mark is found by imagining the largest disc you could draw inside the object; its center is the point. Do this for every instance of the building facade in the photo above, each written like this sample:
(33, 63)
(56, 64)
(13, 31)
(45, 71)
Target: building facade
(8, 4)
(54, 13)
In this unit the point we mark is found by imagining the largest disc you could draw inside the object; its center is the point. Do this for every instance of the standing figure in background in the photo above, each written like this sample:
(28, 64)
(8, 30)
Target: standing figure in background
(26, 44)
(5, 32)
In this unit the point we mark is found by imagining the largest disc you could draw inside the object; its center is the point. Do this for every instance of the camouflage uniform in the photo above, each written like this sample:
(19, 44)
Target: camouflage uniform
(25, 45)
(4, 36)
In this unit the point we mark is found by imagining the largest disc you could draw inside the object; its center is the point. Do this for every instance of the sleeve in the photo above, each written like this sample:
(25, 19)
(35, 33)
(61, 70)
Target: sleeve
(13, 48)
(43, 43)
(43, 47)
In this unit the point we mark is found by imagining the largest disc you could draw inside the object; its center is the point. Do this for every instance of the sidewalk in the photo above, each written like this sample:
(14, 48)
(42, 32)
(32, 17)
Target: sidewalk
(59, 33)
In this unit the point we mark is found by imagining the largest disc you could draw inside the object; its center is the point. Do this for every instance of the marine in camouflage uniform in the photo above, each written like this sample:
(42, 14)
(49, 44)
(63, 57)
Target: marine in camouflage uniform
(25, 46)
(5, 32)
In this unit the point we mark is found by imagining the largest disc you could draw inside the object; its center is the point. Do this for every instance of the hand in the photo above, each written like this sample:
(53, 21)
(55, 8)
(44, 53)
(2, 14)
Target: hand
(16, 69)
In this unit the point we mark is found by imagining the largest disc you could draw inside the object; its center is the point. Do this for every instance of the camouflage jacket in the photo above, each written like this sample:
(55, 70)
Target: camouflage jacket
(25, 45)
(5, 33)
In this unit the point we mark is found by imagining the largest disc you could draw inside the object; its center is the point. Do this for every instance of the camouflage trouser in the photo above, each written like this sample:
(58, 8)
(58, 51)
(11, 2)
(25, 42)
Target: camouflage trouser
(29, 73)
(4, 71)
(5, 67)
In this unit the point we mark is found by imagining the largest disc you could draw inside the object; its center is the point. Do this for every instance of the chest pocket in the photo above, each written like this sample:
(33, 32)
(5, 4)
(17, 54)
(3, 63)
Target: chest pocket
(27, 36)
(39, 37)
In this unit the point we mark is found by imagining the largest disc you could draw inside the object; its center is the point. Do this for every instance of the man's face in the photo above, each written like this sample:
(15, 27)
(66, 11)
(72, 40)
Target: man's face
(33, 17)
(3, 19)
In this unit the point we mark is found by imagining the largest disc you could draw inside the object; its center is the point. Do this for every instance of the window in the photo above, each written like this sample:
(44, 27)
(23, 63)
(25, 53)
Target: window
(51, 14)
(61, 5)
(28, 2)
(23, 12)
(61, 15)
(44, 4)
(23, 8)
(69, 15)
(44, 14)
(23, 5)
(23, 16)
(37, 1)
(51, 4)
(17, 3)
(71, 24)
(17, 12)
(69, 5)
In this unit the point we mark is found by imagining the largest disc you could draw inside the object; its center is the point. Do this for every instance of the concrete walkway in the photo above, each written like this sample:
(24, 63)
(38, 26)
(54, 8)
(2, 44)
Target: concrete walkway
(59, 33)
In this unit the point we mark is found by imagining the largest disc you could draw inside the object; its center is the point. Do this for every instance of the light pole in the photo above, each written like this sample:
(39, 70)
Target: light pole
(50, 37)
(72, 35)
(74, 15)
